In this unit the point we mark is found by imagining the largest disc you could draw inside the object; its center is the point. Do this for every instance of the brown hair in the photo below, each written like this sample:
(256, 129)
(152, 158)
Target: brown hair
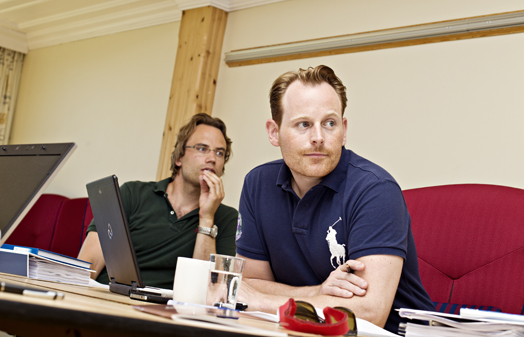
(187, 130)
(307, 76)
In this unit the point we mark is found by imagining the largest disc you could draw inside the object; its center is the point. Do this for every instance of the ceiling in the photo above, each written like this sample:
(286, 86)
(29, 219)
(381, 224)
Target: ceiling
(32, 24)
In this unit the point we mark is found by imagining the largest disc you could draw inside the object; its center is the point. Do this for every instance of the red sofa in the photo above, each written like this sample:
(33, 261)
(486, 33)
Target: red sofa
(54, 223)
(470, 245)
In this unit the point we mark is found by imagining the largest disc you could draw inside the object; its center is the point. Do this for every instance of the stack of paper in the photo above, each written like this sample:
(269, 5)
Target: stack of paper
(470, 322)
(49, 270)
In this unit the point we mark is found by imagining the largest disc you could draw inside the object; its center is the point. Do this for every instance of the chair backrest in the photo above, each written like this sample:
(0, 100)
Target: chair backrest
(73, 219)
(38, 226)
(470, 243)
(54, 223)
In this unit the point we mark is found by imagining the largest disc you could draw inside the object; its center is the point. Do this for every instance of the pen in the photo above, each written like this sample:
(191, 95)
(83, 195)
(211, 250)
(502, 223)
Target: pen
(16, 289)
(349, 270)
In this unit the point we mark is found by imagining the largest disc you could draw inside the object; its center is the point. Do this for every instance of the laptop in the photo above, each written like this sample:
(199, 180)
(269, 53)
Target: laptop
(117, 247)
(26, 170)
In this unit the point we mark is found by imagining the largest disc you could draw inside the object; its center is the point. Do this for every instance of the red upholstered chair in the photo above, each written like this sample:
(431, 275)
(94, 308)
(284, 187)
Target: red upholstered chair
(38, 226)
(54, 223)
(73, 219)
(470, 244)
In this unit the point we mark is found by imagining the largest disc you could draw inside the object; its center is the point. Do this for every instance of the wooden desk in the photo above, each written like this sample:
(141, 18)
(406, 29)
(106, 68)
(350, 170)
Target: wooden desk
(97, 312)
(92, 312)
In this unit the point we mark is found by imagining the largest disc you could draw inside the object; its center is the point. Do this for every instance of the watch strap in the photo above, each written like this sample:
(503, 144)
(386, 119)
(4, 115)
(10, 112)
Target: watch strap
(212, 232)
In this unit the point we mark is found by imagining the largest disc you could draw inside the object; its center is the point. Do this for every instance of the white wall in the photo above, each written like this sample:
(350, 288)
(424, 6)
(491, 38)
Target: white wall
(431, 114)
(107, 94)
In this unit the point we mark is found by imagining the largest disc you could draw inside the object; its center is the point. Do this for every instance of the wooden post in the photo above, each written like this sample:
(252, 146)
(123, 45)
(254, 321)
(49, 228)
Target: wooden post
(194, 79)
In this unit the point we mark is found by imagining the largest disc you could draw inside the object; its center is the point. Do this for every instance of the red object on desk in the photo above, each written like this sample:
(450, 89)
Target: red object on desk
(336, 321)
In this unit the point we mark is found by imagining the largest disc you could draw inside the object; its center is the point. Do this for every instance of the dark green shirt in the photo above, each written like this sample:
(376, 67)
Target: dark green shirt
(159, 237)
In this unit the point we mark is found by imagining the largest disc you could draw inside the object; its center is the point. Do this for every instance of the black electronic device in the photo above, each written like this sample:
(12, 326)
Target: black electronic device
(25, 171)
(115, 240)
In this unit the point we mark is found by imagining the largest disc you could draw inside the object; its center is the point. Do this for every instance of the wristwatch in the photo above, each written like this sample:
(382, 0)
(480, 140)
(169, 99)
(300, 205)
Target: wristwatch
(212, 232)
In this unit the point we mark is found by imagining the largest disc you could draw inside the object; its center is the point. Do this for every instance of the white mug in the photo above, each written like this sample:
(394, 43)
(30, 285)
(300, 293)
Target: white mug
(190, 284)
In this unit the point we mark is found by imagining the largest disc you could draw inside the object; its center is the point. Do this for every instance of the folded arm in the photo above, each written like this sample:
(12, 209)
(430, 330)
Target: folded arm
(382, 273)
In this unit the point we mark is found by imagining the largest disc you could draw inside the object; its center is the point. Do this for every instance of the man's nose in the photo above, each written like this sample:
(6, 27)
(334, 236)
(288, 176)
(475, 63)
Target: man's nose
(211, 156)
(317, 135)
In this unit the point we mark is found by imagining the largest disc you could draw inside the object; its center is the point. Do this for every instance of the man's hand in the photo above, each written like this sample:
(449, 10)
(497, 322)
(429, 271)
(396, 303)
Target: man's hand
(248, 294)
(342, 282)
(211, 194)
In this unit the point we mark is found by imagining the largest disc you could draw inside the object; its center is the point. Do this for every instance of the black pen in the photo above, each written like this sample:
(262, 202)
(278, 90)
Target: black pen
(16, 289)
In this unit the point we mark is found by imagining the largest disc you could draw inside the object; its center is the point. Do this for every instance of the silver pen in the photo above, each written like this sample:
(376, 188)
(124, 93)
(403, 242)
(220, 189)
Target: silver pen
(16, 289)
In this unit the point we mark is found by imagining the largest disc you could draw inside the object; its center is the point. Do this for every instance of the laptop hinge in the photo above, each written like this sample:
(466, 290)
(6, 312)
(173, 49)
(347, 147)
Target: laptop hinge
(118, 288)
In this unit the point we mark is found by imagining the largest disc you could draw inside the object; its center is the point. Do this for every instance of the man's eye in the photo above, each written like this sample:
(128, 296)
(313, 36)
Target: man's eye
(303, 124)
(201, 148)
(220, 153)
(330, 123)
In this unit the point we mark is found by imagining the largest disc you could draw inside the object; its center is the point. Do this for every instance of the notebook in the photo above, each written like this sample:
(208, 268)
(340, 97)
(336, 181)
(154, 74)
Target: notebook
(115, 240)
(26, 170)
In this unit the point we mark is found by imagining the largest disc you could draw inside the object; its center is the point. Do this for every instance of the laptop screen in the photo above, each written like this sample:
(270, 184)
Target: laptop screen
(25, 171)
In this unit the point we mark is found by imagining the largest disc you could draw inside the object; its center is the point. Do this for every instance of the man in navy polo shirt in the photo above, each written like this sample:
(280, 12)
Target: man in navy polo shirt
(322, 210)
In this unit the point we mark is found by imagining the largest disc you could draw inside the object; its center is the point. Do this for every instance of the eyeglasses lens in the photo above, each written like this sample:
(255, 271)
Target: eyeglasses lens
(352, 321)
(307, 312)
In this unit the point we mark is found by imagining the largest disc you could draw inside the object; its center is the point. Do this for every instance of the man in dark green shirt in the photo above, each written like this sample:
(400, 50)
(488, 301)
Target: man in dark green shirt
(177, 216)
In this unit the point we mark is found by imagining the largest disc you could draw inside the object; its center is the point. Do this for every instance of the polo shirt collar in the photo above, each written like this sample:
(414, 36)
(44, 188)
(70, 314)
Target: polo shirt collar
(338, 175)
(332, 180)
(161, 186)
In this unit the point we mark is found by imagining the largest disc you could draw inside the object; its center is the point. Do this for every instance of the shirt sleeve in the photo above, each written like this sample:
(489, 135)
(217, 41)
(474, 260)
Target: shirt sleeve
(91, 227)
(248, 238)
(380, 222)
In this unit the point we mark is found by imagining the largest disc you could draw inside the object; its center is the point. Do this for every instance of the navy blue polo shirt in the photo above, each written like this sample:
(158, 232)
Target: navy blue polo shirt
(356, 210)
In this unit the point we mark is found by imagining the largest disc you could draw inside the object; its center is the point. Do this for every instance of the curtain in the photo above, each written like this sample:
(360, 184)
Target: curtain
(10, 72)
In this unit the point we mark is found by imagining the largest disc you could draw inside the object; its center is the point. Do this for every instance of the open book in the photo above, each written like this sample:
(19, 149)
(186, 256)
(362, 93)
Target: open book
(470, 322)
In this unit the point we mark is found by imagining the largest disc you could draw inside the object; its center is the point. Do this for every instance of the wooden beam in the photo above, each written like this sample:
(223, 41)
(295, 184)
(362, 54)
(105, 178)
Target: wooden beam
(194, 79)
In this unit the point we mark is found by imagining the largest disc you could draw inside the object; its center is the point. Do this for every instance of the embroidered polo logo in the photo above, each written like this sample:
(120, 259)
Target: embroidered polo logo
(337, 250)
(239, 227)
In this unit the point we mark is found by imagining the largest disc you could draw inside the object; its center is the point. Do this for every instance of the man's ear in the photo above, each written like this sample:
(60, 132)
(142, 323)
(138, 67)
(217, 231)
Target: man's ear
(345, 123)
(272, 132)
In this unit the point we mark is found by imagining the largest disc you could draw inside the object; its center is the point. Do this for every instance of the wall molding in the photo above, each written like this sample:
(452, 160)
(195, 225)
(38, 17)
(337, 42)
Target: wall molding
(102, 25)
(109, 17)
(466, 28)
(13, 39)
(225, 5)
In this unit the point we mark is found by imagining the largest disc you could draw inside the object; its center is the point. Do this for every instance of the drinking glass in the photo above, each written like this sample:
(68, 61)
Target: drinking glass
(225, 275)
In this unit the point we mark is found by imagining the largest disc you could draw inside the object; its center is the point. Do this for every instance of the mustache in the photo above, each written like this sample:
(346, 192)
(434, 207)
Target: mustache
(318, 149)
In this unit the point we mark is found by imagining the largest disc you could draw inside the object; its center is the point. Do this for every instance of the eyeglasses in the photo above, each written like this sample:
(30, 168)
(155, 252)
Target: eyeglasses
(204, 150)
(302, 317)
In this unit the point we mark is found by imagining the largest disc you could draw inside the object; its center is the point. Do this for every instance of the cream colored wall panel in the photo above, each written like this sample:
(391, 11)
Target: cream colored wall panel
(108, 94)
